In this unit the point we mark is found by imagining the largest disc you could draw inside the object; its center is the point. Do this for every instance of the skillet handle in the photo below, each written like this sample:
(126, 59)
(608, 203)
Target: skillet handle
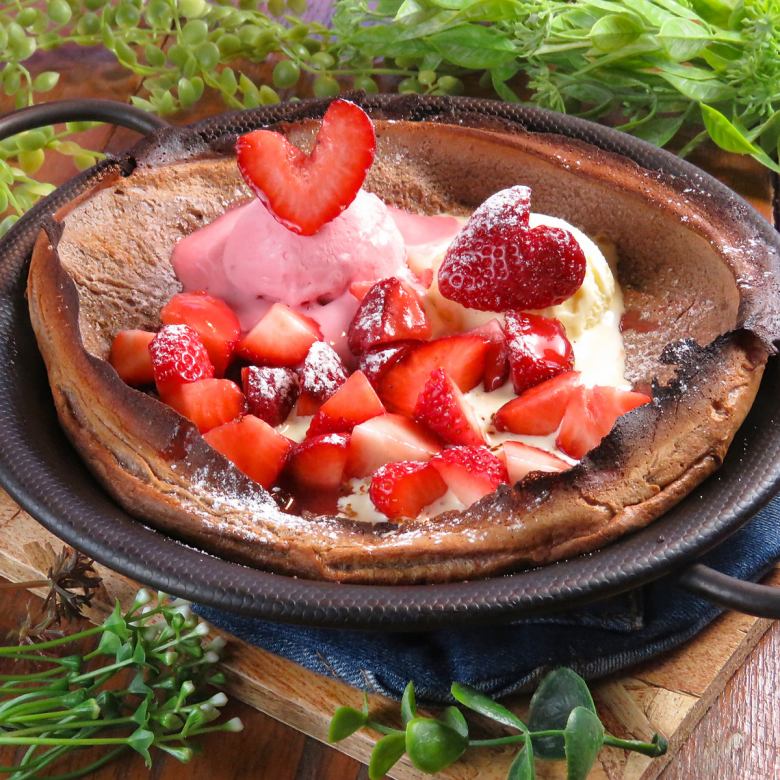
(725, 591)
(86, 110)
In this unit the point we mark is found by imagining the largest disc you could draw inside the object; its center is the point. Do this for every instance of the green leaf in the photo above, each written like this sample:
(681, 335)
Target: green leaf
(180, 753)
(141, 714)
(659, 130)
(432, 745)
(560, 692)
(484, 705)
(453, 718)
(583, 738)
(522, 767)
(207, 54)
(725, 134)
(140, 741)
(473, 46)
(345, 722)
(386, 753)
(614, 31)
(683, 39)
(31, 161)
(138, 685)
(702, 90)
(408, 703)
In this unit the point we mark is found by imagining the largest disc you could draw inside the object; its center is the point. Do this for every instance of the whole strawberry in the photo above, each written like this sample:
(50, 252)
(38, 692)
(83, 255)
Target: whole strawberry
(178, 356)
(498, 262)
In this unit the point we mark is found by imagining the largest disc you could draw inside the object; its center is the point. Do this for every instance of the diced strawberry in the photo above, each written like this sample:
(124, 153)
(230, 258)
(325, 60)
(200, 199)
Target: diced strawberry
(207, 402)
(498, 263)
(496, 355)
(388, 438)
(359, 289)
(521, 459)
(462, 357)
(178, 356)
(212, 319)
(390, 311)
(130, 356)
(270, 392)
(538, 411)
(318, 463)
(253, 446)
(321, 375)
(403, 489)
(304, 191)
(353, 403)
(376, 362)
(281, 338)
(538, 349)
(442, 408)
(591, 414)
(470, 472)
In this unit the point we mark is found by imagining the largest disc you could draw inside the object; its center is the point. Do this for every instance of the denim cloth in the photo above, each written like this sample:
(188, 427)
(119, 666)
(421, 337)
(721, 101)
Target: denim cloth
(500, 660)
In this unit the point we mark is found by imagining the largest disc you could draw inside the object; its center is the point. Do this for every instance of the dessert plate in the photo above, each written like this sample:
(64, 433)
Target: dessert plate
(42, 472)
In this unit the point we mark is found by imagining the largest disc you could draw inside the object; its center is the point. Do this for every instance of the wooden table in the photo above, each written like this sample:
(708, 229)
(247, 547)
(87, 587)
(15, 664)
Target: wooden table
(738, 739)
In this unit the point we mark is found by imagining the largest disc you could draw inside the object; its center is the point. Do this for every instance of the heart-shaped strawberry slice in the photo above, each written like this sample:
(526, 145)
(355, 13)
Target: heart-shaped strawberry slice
(499, 263)
(305, 191)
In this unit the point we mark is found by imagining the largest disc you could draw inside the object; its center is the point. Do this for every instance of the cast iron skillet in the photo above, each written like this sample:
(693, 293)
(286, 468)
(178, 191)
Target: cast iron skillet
(42, 472)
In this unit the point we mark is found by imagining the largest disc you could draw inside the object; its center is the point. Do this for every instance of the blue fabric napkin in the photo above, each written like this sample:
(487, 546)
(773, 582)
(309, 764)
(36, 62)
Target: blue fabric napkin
(505, 659)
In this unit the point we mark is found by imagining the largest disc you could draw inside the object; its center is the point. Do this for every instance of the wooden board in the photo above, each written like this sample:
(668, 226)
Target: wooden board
(669, 694)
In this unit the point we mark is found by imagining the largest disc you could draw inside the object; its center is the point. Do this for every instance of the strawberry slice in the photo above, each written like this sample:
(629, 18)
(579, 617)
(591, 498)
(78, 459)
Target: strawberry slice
(253, 446)
(521, 459)
(178, 356)
(538, 349)
(470, 472)
(321, 375)
(304, 191)
(207, 402)
(318, 463)
(591, 414)
(130, 356)
(376, 362)
(403, 489)
(270, 392)
(358, 290)
(212, 319)
(443, 409)
(353, 403)
(390, 311)
(497, 262)
(538, 411)
(496, 355)
(388, 438)
(281, 338)
(462, 357)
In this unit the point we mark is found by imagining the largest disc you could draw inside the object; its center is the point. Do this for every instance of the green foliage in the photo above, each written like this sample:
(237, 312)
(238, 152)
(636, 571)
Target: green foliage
(563, 724)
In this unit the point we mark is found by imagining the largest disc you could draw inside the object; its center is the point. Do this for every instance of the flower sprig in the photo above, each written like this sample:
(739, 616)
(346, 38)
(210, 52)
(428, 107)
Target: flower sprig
(562, 725)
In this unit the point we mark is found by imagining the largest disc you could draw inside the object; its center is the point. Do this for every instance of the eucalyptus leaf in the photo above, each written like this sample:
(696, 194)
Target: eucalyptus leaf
(484, 705)
(386, 753)
(560, 692)
(345, 722)
(408, 704)
(433, 746)
(583, 738)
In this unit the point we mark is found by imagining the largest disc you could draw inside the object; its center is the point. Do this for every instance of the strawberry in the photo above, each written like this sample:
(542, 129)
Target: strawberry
(353, 403)
(358, 290)
(321, 375)
(207, 402)
(521, 459)
(281, 338)
(470, 472)
(387, 438)
(538, 349)
(403, 489)
(178, 356)
(270, 392)
(253, 446)
(130, 356)
(390, 311)
(304, 191)
(442, 408)
(591, 414)
(496, 355)
(212, 319)
(376, 362)
(538, 411)
(318, 463)
(498, 263)
(462, 357)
